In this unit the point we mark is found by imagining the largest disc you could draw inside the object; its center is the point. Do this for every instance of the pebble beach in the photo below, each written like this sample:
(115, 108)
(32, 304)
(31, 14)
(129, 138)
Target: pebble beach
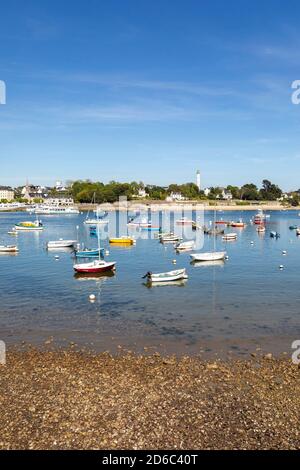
(67, 399)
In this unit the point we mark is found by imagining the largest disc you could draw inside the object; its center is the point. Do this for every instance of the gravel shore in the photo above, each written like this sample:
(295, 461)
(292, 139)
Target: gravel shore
(76, 400)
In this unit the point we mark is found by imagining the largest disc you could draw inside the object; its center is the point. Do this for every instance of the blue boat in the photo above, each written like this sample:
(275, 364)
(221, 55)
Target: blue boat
(150, 229)
(88, 253)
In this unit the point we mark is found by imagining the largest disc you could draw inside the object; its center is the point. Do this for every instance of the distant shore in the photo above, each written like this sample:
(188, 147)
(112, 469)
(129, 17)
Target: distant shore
(75, 400)
(157, 206)
(190, 205)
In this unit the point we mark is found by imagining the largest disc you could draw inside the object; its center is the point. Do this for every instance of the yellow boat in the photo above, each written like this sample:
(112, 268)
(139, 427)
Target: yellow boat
(122, 240)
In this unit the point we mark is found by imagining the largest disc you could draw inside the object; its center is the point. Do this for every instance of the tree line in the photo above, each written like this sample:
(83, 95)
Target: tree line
(86, 191)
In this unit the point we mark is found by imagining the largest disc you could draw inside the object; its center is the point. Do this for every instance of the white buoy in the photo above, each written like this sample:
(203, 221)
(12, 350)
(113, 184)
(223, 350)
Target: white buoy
(174, 261)
(284, 252)
(251, 243)
(281, 267)
(56, 257)
(227, 257)
(107, 252)
(92, 297)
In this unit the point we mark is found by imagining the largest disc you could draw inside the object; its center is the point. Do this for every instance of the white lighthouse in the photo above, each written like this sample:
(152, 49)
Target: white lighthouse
(198, 180)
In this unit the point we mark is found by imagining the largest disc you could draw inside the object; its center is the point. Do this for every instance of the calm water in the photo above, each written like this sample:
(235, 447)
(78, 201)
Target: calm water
(237, 306)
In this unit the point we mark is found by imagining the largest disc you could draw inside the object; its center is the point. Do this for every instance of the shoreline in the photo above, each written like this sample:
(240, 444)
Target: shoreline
(75, 400)
(157, 206)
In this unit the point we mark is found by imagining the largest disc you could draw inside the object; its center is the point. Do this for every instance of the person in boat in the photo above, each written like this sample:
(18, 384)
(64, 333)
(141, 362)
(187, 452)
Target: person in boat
(147, 275)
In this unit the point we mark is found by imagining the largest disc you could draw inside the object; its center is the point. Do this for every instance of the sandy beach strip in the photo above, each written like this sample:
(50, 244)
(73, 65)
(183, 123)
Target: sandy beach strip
(75, 400)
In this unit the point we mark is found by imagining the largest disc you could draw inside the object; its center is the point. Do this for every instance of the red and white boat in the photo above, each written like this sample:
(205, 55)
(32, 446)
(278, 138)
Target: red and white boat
(97, 266)
(239, 224)
(260, 218)
(184, 221)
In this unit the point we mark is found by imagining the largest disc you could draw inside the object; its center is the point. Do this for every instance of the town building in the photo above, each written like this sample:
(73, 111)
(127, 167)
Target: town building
(175, 197)
(6, 193)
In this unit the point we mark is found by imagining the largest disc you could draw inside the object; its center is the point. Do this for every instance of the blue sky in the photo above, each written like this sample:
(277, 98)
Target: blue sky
(139, 90)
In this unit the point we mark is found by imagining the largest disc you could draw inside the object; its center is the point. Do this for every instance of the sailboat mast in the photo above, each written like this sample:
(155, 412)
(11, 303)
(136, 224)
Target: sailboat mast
(98, 232)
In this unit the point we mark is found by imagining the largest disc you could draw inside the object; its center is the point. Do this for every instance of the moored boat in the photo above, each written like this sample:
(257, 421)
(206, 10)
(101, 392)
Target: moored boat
(185, 246)
(170, 239)
(87, 253)
(61, 244)
(168, 276)
(276, 234)
(209, 256)
(239, 224)
(29, 226)
(261, 229)
(150, 229)
(122, 241)
(97, 266)
(96, 222)
(9, 249)
(55, 210)
(184, 221)
(230, 236)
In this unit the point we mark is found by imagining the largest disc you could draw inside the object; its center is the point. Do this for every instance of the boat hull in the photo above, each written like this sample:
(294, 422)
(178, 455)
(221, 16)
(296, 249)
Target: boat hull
(61, 244)
(168, 277)
(88, 254)
(94, 267)
(121, 241)
(9, 249)
(216, 256)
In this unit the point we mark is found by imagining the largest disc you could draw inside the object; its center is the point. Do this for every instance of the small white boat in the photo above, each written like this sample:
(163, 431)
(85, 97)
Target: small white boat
(96, 222)
(170, 239)
(167, 277)
(185, 246)
(61, 244)
(209, 256)
(184, 221)
(230, 236)
(261, 229)
(9, 249)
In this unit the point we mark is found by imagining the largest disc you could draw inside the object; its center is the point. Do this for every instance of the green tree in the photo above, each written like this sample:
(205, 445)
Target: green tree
(249, 192)
(270, 191)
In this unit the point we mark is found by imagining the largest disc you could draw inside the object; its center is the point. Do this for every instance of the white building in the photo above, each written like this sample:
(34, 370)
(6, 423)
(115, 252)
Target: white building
(175, 197)
(198, 180)
(142, 194)
(206, 191)
(225, 195)
(6, 193)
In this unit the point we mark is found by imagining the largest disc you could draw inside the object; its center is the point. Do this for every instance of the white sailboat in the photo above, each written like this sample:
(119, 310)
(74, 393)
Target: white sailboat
(95, 220)
(97, 266)
(210, 255)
